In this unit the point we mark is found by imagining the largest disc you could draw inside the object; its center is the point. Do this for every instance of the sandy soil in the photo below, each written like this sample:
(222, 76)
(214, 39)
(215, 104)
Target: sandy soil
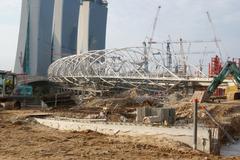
(28, 140)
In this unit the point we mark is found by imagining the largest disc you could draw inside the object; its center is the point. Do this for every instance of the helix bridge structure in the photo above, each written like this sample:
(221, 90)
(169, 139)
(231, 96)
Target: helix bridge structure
(134, 67)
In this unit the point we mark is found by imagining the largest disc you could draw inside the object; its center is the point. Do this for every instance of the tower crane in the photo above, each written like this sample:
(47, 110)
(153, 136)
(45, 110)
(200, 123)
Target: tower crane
(154, 28)
(150, 42)
(181, 66)
(215, 35)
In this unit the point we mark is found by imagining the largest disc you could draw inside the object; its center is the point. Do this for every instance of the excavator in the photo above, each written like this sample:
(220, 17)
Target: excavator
(11, 92)
(230, 68)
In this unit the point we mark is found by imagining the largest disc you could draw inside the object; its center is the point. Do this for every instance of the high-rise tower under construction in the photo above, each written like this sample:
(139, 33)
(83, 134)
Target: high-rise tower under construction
(52, 29)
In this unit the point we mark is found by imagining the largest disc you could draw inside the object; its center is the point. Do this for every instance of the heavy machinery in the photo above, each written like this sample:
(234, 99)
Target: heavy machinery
(229, 68)
(11, 92)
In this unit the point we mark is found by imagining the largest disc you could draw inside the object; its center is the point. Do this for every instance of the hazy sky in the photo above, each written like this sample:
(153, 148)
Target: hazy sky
(130, 21)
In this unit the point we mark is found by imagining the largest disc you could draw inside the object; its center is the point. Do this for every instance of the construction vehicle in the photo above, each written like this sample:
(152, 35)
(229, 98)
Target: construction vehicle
(230, 68)
(11, 92)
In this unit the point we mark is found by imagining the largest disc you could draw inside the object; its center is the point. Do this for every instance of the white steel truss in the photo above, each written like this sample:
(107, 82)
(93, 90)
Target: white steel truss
(131, 67)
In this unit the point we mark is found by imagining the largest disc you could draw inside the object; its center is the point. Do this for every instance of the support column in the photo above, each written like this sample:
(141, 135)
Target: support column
(195, 119)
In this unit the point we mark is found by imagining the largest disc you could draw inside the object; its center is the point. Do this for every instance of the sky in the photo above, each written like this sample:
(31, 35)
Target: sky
(131, 21)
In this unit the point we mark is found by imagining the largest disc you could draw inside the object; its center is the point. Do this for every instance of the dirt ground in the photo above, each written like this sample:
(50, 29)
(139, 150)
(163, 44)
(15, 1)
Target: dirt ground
(25, 139)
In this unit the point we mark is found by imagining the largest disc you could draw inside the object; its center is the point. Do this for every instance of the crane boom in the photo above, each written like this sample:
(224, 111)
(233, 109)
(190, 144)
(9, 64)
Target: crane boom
(154, 28)
(155, 23)
(150, 42)
(215, 35)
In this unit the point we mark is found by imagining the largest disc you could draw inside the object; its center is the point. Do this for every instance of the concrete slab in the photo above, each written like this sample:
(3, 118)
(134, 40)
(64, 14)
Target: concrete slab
(182, 134)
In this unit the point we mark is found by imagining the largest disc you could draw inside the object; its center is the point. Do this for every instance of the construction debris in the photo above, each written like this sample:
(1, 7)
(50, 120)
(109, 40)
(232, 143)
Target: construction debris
(156, 115)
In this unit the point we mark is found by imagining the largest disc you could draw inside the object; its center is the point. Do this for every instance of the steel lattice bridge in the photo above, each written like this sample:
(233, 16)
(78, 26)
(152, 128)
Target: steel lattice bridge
(135, 67)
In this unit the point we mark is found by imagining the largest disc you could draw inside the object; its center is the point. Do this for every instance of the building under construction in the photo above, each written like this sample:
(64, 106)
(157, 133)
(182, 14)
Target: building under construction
(54, 29)
(92, 26)
(65, 28)
(35, 37)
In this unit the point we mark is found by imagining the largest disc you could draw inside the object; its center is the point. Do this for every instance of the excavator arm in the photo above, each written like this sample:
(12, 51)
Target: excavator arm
(228, 68)
(235, 72)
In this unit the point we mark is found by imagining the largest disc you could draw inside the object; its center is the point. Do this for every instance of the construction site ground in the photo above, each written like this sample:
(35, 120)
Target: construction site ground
(28, 140)
(22, 138)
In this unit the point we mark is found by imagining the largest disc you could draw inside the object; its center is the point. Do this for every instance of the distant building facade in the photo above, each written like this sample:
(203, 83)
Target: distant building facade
(92, 25)
(65, 30)
(52, 29)
(35, 37)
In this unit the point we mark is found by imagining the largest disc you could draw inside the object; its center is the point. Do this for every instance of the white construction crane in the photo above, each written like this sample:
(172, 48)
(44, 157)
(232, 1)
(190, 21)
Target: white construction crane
(215, 35)
(154, 28)
(147, 49)
(188, 42)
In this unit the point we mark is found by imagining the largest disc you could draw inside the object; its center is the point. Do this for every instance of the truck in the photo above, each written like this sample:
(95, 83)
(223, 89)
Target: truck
(11, 92)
